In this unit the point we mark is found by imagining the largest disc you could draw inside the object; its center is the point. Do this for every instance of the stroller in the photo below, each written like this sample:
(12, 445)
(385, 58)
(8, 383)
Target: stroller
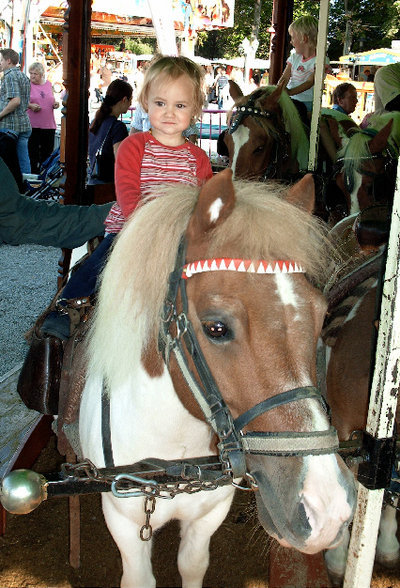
(46, 186)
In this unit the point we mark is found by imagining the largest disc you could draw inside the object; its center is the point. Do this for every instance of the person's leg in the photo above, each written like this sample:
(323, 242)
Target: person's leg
(46, 143)
(81, 284)
(393, 104)
(302, 110)
(23, 153)
(34, 150)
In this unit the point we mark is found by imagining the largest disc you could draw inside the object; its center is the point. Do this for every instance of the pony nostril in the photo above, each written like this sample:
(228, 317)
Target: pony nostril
(301, 521)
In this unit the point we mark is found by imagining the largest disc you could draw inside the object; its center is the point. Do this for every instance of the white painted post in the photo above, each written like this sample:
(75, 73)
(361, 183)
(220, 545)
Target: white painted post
(319, 82)
(382, 408)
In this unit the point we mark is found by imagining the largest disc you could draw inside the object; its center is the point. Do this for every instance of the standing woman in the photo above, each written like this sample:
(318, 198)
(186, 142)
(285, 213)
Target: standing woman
(41, 114)
(107, 132)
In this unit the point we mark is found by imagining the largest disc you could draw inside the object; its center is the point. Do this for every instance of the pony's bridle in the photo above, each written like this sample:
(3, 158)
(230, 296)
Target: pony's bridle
(233, 444)
(281, 140)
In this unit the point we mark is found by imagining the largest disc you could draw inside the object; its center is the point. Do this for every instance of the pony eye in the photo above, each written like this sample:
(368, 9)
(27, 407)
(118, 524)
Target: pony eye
(216, 330)
(259, 149)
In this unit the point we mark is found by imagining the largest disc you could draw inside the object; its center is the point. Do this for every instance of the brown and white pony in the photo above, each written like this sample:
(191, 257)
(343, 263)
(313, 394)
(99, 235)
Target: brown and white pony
(254, 256)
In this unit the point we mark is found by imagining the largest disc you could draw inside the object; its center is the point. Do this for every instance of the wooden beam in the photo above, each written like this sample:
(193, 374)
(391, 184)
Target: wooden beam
(282, 16)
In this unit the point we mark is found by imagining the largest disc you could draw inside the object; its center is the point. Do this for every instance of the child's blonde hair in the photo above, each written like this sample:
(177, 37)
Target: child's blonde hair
(306, 25)
(174, 68)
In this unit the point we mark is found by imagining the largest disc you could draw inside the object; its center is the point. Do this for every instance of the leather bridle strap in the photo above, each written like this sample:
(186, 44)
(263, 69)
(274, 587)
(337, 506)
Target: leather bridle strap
(274, 402)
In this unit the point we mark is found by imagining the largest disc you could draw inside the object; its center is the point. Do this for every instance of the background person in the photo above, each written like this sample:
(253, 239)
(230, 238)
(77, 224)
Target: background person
(107, 132)
(41, 114)
(345, 98)
(14, 98)
(387, 88)
(298, 75)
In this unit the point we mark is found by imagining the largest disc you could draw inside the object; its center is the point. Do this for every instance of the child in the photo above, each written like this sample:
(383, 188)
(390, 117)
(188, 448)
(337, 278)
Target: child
(298, 75)
(173, 98)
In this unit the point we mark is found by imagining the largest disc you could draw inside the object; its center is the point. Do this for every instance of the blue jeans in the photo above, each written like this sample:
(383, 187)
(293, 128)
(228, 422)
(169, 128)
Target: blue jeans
(23, 153)
(22, 150)
(83, 282)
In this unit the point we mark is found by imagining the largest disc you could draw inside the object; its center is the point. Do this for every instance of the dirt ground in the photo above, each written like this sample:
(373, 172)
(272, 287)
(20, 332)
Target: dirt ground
(34, 549)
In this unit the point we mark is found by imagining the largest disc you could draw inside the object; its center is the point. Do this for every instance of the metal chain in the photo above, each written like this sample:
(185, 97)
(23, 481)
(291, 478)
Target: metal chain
(146, 532)
(127, 486)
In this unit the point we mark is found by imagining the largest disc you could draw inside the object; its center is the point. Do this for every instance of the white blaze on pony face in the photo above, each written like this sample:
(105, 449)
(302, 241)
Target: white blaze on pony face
(285, 291)
(215, 209)
(354, 205)
(240, 138)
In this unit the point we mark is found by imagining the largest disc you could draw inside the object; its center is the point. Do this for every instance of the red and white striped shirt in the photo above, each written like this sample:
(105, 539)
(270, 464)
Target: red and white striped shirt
(142, 163)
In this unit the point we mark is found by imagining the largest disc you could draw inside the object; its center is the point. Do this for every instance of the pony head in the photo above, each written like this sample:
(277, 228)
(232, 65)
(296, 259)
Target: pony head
(270, 138)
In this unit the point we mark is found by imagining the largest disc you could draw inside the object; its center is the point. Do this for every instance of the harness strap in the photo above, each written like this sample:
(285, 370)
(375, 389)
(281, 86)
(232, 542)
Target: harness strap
(105, 427)
(275, 401)
(310, 443)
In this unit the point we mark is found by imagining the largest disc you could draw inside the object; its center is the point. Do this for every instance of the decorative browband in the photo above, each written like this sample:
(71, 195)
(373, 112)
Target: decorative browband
(241, 265)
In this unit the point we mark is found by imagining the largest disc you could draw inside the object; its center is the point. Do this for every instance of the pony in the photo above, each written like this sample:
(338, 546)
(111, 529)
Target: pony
(267, 139)
(368, 162)
(349, 336)
(211, 295)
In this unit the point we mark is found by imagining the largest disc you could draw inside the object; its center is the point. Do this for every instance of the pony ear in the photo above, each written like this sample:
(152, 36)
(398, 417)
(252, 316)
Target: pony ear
(379, 142)
(270, 102)
(302, 193)
(215, 204)
(234, 90)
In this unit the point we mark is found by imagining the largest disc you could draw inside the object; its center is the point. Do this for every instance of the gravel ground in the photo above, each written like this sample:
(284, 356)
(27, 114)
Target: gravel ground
(28, 281)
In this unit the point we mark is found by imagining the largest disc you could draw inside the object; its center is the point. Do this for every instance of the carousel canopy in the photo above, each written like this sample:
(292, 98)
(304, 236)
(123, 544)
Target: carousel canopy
(377, 57)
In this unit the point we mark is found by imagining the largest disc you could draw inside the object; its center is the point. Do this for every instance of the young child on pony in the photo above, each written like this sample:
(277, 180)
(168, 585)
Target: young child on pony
(172, 96)
(298, 75)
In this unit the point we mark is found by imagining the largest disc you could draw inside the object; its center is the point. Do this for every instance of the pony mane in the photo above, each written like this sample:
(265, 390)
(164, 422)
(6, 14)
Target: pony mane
(299, 142)
(378, 121)
(356, 149)
(134, 282)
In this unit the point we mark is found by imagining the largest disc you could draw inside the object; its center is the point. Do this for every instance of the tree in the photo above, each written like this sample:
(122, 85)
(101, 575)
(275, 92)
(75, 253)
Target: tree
(226, 42)
(371, 24)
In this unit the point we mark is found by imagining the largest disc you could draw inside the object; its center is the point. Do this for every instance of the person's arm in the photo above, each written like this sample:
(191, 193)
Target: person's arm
(302, 87)
(285, 77)
(12, 104)
(34, 106)
(204, 169)
(127, 173)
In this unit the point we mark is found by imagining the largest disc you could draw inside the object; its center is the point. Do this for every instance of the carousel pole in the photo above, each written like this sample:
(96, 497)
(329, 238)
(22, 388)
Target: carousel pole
(381, 415)
(319, 83)
(282, 16)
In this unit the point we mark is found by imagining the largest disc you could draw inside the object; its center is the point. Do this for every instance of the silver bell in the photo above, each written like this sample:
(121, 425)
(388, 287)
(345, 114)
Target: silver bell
(22, 491)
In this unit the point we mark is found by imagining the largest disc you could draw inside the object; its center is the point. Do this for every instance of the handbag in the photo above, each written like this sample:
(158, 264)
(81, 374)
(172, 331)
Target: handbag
(97, 170)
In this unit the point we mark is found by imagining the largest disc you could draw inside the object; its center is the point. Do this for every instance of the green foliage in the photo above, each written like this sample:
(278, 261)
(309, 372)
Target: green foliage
(373, 24)
(226, 42)
(140, 48)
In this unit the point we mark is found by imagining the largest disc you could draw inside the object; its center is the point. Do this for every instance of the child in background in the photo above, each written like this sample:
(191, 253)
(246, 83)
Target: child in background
(172, 96)
(298, 75)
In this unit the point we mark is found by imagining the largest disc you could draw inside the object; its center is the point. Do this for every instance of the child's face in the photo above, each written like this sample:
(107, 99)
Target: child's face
(170, 105)
(299, 41)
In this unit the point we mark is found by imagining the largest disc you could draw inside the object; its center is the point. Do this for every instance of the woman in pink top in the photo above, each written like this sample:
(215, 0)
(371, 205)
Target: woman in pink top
(41, 114)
